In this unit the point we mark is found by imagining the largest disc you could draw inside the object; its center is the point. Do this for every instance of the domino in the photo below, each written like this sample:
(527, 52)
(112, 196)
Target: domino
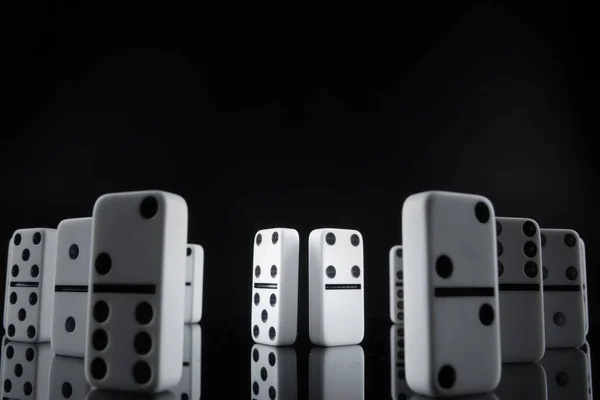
(520, 286)
(136, 302)
(189, 385)
(396, 286)
(452, 332)
(71, 287)
(30, 285)
(336, 287)
(566, 372)
(67, 379)
(525, 381)
(586, 318)
(399, 387)
(563, 301)
(194, 281)
(274, 319)
(336, 373)
(588, 358)
(25, 370)
(273, 372)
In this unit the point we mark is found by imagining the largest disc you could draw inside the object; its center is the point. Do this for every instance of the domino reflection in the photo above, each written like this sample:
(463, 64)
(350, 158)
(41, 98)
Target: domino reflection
(567, 374)
(25, 370)
(337, 373)
(273, 372)
(399, 388)
(103, 394)
(189, 385)
(67, 379)
(525, 381)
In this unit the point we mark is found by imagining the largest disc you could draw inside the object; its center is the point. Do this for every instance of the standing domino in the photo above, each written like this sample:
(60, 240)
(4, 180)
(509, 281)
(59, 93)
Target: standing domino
(336, 287)
(71, 287)
(451, 300)
(520, 286)
(30, 285)
(136, 302)
(396, 286)
(274, 318)
(194, 281)
(563, 300)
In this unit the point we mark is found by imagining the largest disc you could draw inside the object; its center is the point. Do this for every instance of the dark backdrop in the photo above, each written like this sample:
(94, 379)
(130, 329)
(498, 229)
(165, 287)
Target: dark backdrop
(299, 117)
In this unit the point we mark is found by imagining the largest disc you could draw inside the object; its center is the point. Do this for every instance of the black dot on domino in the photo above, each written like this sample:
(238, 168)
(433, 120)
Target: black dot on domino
(559, 319)
(66, 390)
(13, 298)
(144, 313)
(37, 238)
(101, 311)
(29, 354)
(256, 299)
(18, 370)
(99, 339)
(571, 273)
(482, 212)
(272, 359)
(446, 377)
(355, 271)
(443, 266)
(184, 396)
(275, 237)
(498, 228)
(354, 240)
(330, 239)
(148, 207)
(273, 300)
(531, 269)
(98, 369)
(570, 240)
(258, 239)
(399, 253)
(500, 248)
(330, 271)
(73, 251)
(27, 388)
(17, 239)
(544, 272)
(530, 249)
(14, 271)
(142, 343)
(255, 388)
(273, 271)
(142, 373)
(562, 378)
(257, 271)
(272, 393)
(263, 374)
(31, 332)
(25, 255)
(272, 333)
(70, 324)
(11, 330)
(34, 271)
(7, 386)
(10, 352)
(543, 239)
(33, 298)
(264, 316)
(189, 251)
(255, 355)
(529, 228)
(486, 314)
(500, 268)
(255, 331)
(103, 263)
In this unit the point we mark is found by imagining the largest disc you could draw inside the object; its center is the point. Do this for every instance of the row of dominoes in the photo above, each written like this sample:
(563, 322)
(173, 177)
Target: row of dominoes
(33, 371)
(115, 289)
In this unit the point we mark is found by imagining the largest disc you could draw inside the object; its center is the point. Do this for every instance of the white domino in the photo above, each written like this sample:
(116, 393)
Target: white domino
(336, 373)
(396, 286)
(451, 319)
(522, 381)
(30, 285)
(273, 373)
(399, 387)
(25, 369)
(136, 302)
(566, 374)
(189, 385)
(67, 379)
(586, 317)
(563, 300)
(194, 282)
(71, 287)
(274, 319)
(336, 287)
(521, 290)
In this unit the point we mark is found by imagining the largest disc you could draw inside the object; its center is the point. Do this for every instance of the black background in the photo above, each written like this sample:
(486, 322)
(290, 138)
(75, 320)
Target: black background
(298, 117)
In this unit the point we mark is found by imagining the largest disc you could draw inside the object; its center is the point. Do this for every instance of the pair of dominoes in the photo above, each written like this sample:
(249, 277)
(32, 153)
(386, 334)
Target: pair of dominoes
(336, 287)
(117, 286)
(460, 272)
(333, 372)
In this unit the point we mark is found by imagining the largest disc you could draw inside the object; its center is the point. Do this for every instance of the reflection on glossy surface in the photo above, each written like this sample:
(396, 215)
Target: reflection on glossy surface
(273, 372)
(100, 394)
(25, 370)
(522, 382)
(485, 396)
(337, 373)
(399, 387)
(588, 358)
(566, 374)
(189, 385)
(67, 379)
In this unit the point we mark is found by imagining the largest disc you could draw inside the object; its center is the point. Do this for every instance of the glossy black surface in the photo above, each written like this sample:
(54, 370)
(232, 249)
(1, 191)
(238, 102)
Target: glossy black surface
(348, 372)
